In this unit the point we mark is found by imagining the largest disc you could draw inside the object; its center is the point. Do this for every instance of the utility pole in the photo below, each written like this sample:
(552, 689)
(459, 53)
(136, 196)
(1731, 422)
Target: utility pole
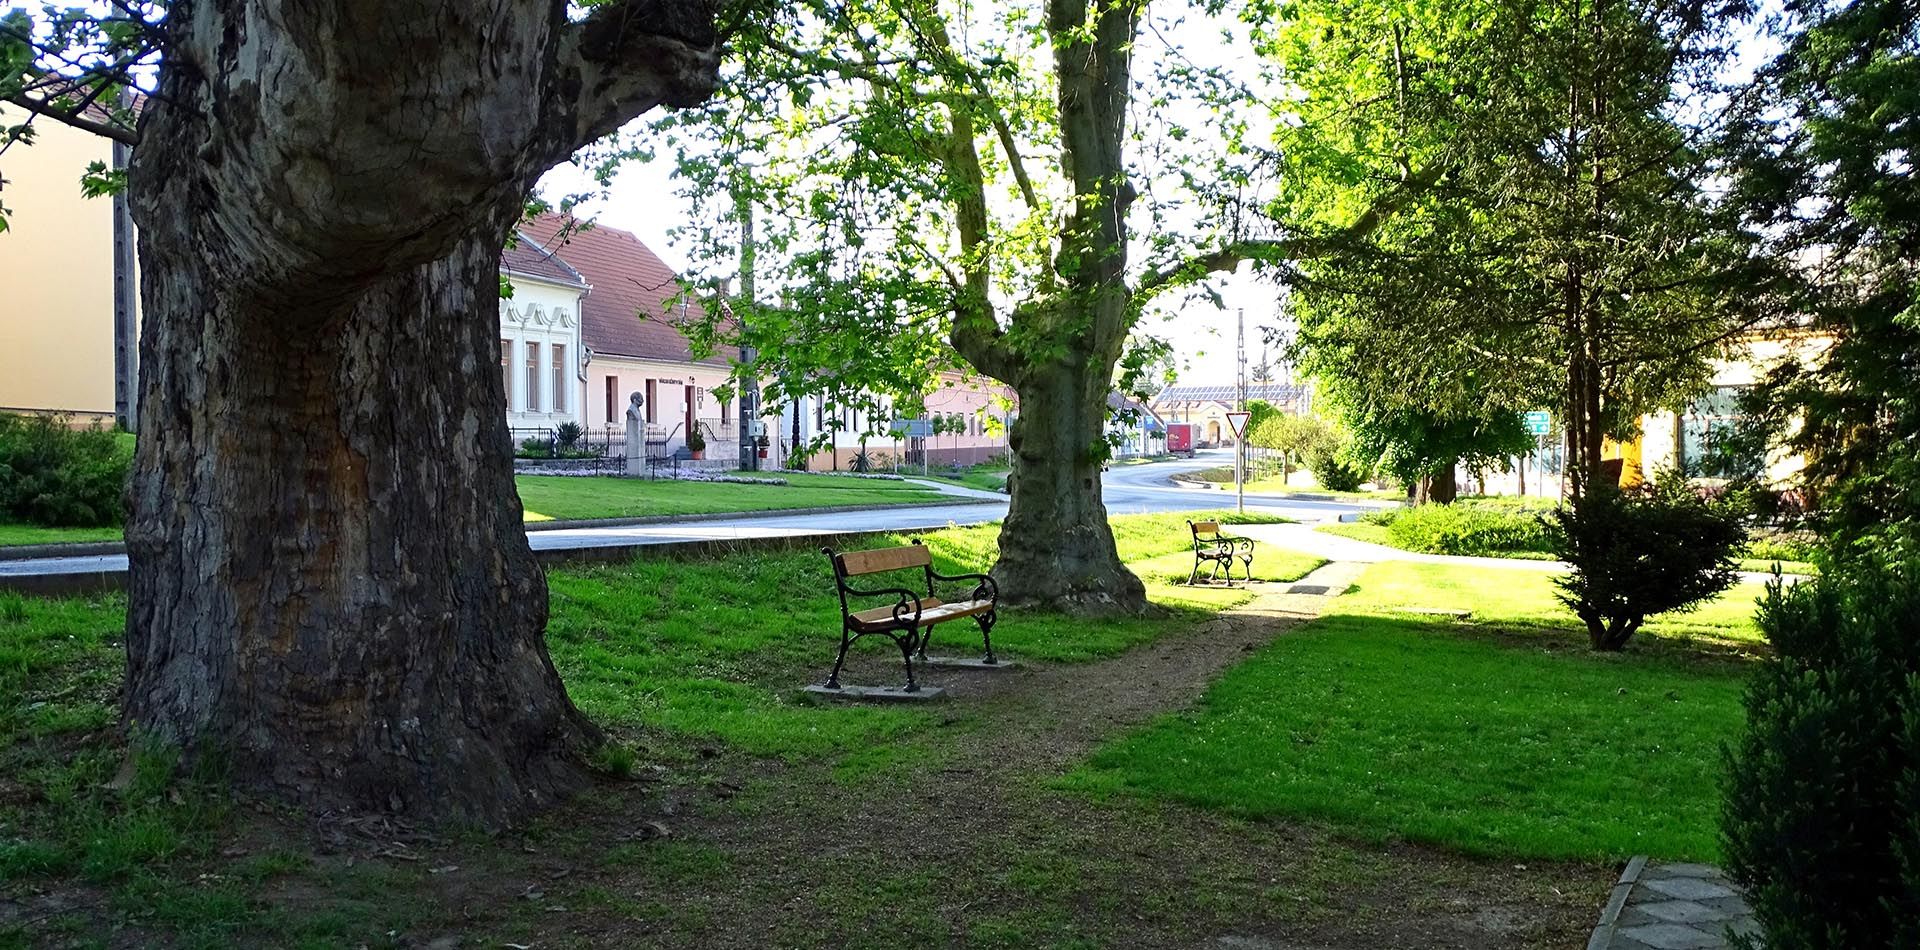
(1240, 438)
(749, 375)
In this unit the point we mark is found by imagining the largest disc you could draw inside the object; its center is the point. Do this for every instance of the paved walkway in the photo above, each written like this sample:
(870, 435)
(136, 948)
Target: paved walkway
(1133, 490)
(1662, 906)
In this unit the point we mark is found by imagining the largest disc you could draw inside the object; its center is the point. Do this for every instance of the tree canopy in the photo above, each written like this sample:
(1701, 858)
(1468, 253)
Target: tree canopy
(1826, 167)
(1573, 253)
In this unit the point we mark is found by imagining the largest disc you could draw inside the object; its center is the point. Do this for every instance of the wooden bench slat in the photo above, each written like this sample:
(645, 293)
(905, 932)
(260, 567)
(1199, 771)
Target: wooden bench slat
(954, 611)
(856, 563)
(1206, 527)
(884, 615)
(932, 611)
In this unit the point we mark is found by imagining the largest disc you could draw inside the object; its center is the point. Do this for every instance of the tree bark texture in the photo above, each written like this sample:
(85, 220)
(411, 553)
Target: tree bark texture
(331, 588)
(1056, 547)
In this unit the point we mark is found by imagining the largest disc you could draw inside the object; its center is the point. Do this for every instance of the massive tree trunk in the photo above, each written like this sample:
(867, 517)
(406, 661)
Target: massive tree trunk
(1056, 547)
(1441, 487)
(331, 588)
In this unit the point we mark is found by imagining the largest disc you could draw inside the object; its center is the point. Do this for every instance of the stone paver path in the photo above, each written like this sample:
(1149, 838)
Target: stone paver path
(1662, 906)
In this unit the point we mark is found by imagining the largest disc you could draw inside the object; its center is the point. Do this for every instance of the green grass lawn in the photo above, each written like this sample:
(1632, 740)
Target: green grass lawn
(980, 479)
(1302, 481)
(15, 534)
(551, 497)
(1499, 735)
(690, 646)
(571, 498)
(1269, 564)
(679, 650)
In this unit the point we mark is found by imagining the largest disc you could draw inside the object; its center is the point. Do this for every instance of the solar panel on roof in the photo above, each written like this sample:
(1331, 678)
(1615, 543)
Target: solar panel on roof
(1268, 391)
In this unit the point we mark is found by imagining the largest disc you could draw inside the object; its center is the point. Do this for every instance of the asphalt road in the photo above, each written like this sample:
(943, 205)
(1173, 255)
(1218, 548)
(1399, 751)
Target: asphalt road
(1128, 489)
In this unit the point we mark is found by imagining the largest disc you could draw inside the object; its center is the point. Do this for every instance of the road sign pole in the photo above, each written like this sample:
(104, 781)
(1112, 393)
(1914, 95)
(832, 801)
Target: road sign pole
(1240, 475)
(1237, 422)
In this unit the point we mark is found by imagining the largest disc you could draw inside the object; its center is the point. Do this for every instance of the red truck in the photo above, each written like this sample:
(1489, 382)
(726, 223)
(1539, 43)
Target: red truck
(1180, 439)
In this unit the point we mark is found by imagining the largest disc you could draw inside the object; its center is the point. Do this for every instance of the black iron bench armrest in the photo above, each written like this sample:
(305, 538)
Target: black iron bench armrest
(900, 612)
(986, 586)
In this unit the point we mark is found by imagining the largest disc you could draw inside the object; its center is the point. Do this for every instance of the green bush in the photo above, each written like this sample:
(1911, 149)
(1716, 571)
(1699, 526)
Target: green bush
(1463, 528)
(1335, 473)
(53, 474)
(1643, 551)
(1820, 823)
(1781, 547)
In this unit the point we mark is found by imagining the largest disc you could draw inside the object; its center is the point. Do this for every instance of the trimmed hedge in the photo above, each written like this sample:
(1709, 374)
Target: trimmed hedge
(1464, 528)
(55, 475)
(1820, 819)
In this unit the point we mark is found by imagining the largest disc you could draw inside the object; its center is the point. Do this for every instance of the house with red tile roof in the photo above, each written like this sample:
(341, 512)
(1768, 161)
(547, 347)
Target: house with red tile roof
(630, 323)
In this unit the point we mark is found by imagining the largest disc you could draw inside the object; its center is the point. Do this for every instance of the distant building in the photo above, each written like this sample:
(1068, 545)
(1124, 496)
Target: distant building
(1207, 406)
(631, 340)
(541, 354)
(1133, 428)
(1690, 439)
(69, 288)
(976, 413)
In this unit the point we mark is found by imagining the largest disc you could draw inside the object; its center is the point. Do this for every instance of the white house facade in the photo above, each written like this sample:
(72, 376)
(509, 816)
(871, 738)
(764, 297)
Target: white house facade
(541, 350)
(540, 353)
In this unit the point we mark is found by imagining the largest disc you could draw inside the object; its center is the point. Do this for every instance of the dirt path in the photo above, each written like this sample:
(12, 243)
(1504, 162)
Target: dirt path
(967, 841)
(958, 834)
(1047, 720)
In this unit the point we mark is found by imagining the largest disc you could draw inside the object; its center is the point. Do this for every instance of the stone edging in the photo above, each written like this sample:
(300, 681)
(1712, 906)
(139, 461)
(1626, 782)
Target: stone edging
(28, 552)
(1610, 915)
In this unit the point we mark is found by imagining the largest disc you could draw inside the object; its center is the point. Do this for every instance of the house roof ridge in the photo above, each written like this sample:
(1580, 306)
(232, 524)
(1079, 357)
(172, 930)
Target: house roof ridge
(549, 254)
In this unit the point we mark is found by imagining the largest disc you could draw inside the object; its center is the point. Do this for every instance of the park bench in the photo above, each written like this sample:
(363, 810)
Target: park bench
(910, 619)
(1211, 545)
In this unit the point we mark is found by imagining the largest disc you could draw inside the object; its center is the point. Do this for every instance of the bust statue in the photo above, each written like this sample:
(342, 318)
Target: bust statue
(636, 433)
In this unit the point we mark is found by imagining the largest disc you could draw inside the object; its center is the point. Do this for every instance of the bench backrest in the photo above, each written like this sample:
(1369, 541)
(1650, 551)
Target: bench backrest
(856, 563)
(1204, 528)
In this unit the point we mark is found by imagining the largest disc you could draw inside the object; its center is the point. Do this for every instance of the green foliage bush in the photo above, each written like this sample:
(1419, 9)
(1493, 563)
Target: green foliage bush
(1643, 551)
(1335, 473)
(53, 474)
(1782, 547)
(1820, 823)
(1463, 528)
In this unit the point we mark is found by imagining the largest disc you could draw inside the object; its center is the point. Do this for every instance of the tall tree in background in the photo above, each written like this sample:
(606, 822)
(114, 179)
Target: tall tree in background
(975, 165)
(1829, 170)
(330, 584)
(1820, 826)
(1570, 256)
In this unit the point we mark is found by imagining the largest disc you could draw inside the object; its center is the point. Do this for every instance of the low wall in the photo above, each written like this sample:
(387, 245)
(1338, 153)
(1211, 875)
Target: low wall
(885, 457)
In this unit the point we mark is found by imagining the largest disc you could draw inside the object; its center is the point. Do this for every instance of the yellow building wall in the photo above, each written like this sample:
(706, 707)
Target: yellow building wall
(56, 275)
(1758, 357)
